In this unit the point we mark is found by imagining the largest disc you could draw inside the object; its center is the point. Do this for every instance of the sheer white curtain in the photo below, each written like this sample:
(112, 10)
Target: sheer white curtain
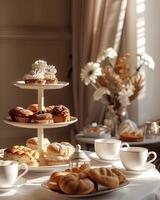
(96, 25)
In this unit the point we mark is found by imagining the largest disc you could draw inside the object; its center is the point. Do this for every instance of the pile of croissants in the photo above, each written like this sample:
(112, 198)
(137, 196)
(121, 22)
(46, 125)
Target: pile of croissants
(84, 179)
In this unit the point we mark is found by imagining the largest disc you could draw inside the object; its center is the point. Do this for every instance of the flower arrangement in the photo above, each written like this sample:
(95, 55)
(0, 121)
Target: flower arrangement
(115, 83)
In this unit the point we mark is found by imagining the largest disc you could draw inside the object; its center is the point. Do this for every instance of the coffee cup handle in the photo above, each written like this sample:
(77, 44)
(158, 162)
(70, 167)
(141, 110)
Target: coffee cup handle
(22, 166)
(124, 144)
(154, 156)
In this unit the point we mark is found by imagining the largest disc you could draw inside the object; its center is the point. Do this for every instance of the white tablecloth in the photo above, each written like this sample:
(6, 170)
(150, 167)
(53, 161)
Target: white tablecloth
(142, 187)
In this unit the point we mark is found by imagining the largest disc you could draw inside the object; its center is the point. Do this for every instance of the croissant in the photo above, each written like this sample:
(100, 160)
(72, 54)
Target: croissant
(77, 183)
(53, 182)
(104, 176)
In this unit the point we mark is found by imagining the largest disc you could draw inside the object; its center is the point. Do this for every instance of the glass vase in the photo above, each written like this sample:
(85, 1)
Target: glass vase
(114, 118)
(111, 121)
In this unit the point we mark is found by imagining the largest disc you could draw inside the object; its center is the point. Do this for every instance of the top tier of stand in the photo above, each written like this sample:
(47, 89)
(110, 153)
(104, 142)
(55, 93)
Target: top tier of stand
(59, 85)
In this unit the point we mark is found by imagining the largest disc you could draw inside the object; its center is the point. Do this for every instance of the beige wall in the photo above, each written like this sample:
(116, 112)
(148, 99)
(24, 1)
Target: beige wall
(30, 30)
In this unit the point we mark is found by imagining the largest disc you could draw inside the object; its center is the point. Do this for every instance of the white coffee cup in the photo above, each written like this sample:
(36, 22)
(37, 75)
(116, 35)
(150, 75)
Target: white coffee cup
(135, 158)
(9, 172)
(108, 149)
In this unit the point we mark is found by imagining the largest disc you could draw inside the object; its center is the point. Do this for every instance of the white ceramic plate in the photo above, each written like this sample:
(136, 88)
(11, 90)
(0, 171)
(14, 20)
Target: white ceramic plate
(48, 168)
(36, 125)
(100, 191)
(94, 156)
(22, 85)
(41, 168)
(147, 167)
(20, 182)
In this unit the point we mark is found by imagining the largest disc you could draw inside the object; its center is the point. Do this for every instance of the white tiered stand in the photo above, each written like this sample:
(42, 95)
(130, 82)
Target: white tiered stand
(40, 127)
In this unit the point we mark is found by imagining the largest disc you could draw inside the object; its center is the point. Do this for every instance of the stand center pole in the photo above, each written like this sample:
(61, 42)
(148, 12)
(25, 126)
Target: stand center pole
(40, 139)
(40, 99)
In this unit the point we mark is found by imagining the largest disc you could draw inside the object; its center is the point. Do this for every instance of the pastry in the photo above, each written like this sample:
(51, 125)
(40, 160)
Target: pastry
(120, 175)
(42, 117)
(105, 177)
(50, 109)
(129, 132)
(59, 153)
(34, 77)
(19, 114)
(22, 154)
(13, 113)
(132, 136)
(54, 179)
(60, 114)
(76, 183)
(33, 143)
(34, 108)
(50, 75)
(83, 168)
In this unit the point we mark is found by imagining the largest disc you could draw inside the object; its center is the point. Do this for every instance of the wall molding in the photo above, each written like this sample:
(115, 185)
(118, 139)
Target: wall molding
(35, 33)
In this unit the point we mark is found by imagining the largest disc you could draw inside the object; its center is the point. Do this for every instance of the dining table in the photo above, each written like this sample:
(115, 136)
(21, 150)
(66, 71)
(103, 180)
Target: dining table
(141, 186)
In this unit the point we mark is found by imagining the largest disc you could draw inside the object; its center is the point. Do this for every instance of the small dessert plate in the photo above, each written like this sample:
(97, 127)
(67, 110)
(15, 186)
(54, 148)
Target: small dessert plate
(20, 182)
(147, 167)
(94, 156)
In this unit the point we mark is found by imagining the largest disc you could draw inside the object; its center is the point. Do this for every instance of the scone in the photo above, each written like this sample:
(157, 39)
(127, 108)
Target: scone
(59, 153)
(19, 114)
(22, 154)
(42, 117)
(32, 143)
(60, 114)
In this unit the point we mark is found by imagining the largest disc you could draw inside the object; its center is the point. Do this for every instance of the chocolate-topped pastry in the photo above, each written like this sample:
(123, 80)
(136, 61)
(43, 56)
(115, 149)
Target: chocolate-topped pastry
(60, 114)
(42, 117)
(49, 109)
(13, 113)
(20, 114)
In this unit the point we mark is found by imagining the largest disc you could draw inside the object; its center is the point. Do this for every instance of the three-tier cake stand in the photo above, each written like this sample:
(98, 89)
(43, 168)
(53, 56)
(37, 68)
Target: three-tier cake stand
(40, 126)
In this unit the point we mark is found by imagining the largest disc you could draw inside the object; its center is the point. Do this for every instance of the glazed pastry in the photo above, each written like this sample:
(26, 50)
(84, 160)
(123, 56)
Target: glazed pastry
(50, 109)
(13, 113)
(34, 108)
(42, 117)
(32, 143)
(22, 154)
(60, 114)
(19, 114)
(50, 75)
(59, 152)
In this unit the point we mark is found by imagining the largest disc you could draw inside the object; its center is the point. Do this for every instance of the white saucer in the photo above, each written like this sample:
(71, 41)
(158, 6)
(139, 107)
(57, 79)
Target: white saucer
(94, 156)
(147, 167)
(20, 182)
